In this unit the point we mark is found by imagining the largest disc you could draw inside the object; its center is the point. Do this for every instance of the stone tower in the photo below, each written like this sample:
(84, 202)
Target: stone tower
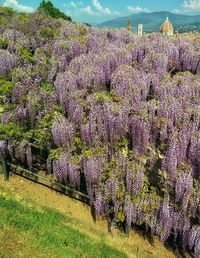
(140, 29)
(129, 27)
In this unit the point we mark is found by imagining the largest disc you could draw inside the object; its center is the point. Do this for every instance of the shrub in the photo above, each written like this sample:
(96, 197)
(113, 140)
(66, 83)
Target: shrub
(26, 55)
(47, 32)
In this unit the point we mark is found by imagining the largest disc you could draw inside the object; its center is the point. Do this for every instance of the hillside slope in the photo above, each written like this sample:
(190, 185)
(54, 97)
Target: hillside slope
(45, 221)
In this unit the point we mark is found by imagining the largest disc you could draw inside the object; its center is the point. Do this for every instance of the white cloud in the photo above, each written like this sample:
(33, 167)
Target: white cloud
(137, 9)
(116, 12)
(176, 11)
(73, 4)
(97, 5)
(94, 12)
(68, 12)
(100, 8)
(192, 4)
(107, 11)
(19, 7)
(88, 10)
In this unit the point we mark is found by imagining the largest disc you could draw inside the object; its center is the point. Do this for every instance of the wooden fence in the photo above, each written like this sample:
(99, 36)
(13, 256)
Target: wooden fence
(8, 167)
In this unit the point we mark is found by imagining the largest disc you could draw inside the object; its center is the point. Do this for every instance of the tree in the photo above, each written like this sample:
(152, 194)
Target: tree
(48, 8)
(87, 24)
(4, 10)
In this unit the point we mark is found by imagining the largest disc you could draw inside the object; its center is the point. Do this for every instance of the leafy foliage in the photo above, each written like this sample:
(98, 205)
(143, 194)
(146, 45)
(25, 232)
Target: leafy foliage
(47, 32)
(7, 10)
(11, 131)
(6, 87)
(117, 114)
(48, 8)
(26, 55)
(3, 43)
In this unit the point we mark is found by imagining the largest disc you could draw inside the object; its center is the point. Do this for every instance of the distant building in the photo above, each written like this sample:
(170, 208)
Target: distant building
(167, 28)
(140, 29)
(129, 27)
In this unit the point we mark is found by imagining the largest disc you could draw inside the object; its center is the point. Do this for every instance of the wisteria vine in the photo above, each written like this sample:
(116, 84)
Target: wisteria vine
(117, 114)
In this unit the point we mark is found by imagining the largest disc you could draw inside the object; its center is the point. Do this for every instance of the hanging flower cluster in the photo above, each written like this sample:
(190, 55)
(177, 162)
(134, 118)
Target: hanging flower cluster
(118, 116)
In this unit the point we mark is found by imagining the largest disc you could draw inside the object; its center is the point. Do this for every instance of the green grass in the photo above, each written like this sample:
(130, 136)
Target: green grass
(26, 231)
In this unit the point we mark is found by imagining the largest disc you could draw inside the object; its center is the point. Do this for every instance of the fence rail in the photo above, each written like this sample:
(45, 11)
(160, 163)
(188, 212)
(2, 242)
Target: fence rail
(8, 167)
(50, 183)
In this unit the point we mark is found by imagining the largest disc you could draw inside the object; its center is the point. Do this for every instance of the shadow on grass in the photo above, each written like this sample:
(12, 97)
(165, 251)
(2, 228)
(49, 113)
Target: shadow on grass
(51, 232)
(170, 245)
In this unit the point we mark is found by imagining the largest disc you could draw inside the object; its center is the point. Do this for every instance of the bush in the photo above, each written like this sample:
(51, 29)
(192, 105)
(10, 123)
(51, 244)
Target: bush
(26, 55)
(7, 10)
(4, 21)
(47, 32)
(6, 87)
(3, 43)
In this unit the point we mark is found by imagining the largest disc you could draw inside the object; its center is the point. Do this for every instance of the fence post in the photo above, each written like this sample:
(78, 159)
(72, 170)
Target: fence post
(4, 167)
(126, 228)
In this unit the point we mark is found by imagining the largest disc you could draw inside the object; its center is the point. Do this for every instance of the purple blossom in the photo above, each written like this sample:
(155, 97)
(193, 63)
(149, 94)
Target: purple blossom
(7, 62)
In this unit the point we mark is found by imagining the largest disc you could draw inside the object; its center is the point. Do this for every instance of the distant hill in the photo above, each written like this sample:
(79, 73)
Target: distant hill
(152, 21)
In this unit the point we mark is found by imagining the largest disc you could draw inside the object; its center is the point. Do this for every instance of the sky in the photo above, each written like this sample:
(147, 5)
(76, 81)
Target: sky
(97, 11)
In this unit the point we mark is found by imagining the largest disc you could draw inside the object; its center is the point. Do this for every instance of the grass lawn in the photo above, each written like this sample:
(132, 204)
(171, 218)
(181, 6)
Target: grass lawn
(28, 232)
(37, 222)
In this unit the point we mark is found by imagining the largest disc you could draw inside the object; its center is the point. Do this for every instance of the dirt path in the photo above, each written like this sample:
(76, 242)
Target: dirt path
(81, 217)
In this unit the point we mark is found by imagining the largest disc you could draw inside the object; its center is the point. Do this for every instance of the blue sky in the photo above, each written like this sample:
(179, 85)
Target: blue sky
(97, 11)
